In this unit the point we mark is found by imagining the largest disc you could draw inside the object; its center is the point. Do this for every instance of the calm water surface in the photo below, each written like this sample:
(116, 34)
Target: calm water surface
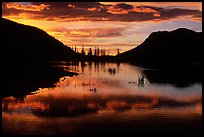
(105, 98)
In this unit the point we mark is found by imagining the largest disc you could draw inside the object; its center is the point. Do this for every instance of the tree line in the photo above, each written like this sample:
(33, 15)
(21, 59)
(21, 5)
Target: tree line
(96, 52)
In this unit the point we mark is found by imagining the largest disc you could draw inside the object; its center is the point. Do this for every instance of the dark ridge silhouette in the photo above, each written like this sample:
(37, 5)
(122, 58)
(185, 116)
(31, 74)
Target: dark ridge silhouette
(26, 43)
(171, 57)
(27, 52)
(163, 48)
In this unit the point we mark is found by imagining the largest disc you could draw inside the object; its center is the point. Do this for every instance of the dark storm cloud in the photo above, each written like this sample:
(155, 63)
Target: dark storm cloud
(123, 6)
(176, 12)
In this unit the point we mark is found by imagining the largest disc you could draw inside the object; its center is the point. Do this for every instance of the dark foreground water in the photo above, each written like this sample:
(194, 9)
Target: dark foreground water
(107, 98)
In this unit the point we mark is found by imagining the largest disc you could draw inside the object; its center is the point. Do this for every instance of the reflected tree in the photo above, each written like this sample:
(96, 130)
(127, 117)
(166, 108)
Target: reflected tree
(140, 81)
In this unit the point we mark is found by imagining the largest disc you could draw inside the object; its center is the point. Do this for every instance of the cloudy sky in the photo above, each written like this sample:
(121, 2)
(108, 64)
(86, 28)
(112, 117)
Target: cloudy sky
(108, 25)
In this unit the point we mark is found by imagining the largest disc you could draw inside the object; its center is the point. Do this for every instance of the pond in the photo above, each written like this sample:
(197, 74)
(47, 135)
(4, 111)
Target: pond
(107, 98)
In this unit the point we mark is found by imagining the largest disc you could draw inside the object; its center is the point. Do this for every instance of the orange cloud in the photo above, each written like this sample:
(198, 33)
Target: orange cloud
(121, 8)
(90, 32)
(79, 33)
(126, 8)
(146, 10)
(122, 12)
(28, 7)
(186, 5)
(197, 18)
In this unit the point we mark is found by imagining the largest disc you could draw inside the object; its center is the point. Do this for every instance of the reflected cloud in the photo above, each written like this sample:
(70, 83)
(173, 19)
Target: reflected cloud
(74, 106)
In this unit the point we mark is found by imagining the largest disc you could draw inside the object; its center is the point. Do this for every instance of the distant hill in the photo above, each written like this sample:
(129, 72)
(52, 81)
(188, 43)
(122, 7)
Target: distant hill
(27, 52)
(181, 46)
(23, 42)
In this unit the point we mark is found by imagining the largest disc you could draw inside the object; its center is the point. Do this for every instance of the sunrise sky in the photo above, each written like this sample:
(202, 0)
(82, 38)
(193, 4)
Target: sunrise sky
(109, 25)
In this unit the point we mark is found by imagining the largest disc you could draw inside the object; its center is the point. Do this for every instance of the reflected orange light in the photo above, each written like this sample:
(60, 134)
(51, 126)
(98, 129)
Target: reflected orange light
(92, 9)
(199, 107)
(114, 105)
(91, 105)
(30, 105)
(71, 5)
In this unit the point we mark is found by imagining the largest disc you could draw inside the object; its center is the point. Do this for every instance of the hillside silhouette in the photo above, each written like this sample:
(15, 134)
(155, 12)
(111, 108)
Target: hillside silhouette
(172, 57)
(180, 46)
(23, 42)
(27, 52)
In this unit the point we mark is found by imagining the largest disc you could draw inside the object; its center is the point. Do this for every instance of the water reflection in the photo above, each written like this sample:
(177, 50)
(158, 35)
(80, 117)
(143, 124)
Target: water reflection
(179, 77)
(122, 97)
(74, 107)
(141, 81)
(112, 71)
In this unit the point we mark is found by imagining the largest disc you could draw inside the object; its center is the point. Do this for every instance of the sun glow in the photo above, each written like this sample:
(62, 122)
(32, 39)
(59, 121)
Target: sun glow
(109, 25)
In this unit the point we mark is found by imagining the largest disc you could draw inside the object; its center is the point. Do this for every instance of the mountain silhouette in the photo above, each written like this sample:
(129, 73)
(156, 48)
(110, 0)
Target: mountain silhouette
(180, 46)
(23, 42)
(27, 52)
